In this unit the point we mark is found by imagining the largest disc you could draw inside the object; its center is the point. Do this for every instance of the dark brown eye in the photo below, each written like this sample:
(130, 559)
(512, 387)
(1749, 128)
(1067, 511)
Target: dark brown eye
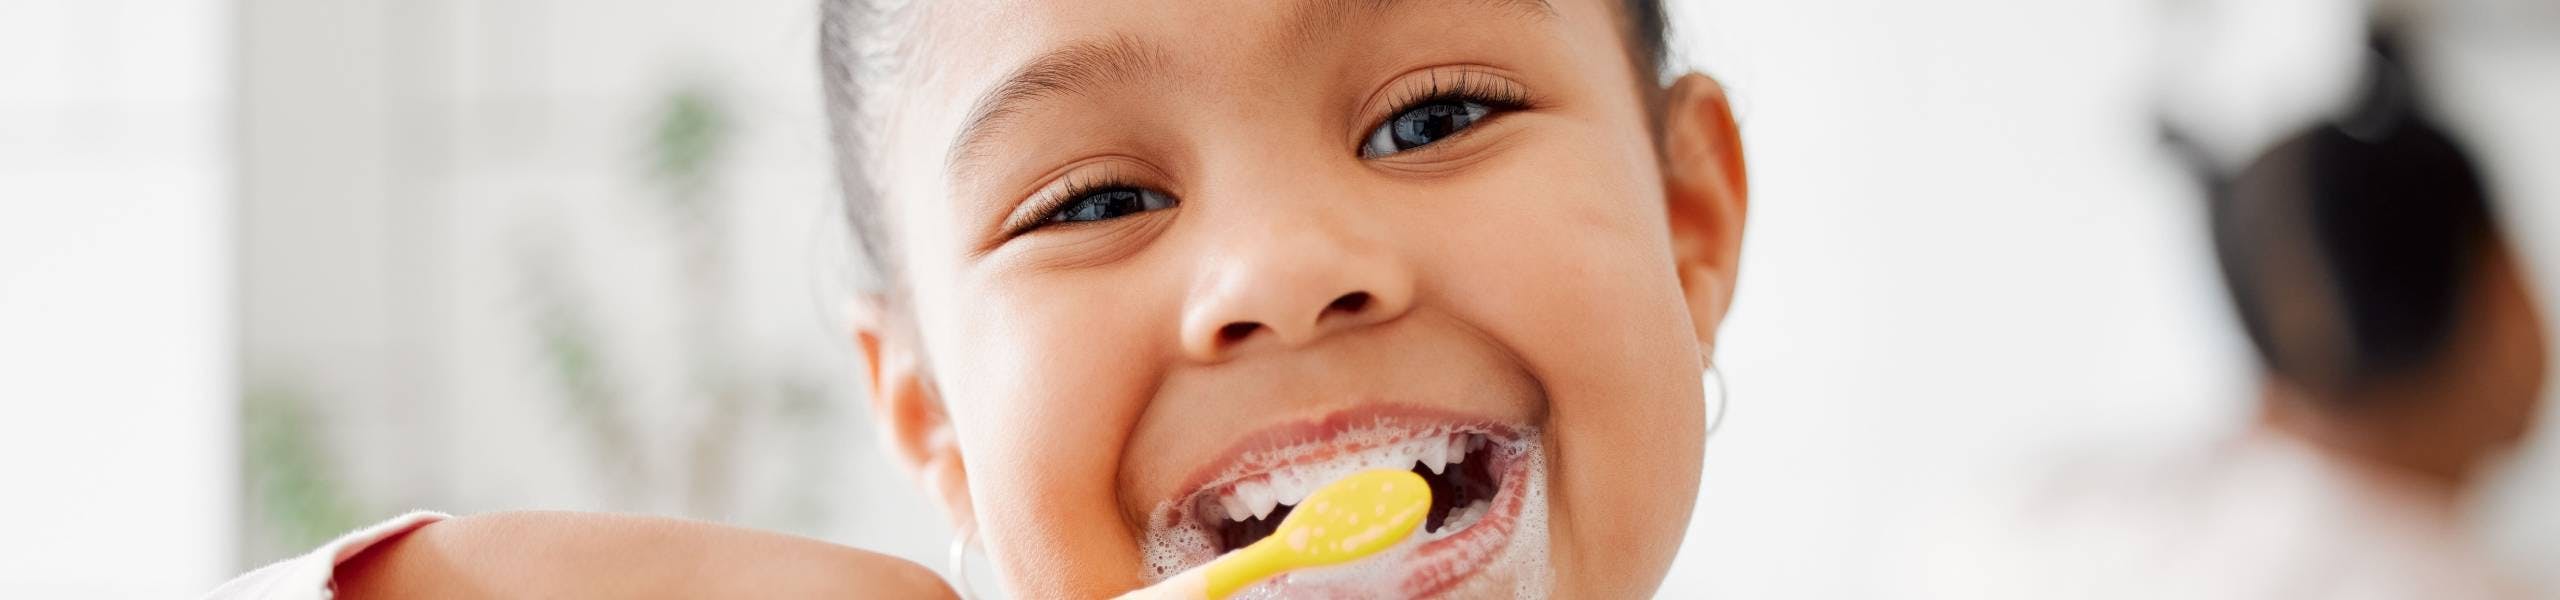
(1107, 204)
(1421, 125)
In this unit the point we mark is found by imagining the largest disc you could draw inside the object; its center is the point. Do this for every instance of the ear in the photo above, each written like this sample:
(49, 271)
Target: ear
(914, 428)
(1708, 193)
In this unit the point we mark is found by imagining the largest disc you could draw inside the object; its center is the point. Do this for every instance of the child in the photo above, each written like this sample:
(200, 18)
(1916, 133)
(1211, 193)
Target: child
(1154, 269)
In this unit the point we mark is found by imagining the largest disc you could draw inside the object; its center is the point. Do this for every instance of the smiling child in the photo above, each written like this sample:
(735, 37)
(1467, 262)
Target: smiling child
(1152, 270)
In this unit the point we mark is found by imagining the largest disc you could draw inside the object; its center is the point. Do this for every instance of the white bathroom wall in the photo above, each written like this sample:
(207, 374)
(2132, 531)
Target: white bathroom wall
(115, 298)
(472, 281)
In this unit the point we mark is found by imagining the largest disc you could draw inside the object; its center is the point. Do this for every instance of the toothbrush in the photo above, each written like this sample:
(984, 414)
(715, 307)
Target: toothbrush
(1347, 520)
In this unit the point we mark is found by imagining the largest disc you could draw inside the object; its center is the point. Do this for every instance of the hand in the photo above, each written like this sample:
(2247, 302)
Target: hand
(1188, 585)
(593, 555)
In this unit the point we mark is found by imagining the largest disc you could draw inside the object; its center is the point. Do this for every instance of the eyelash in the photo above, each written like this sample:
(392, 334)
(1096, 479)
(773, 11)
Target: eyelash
(1075, 189)
(1458, 85)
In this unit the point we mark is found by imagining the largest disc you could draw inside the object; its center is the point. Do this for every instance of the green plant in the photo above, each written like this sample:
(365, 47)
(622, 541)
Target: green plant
(295, 499)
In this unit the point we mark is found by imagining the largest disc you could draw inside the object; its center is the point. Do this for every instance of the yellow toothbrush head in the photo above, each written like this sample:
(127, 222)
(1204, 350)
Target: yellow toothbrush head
(1349, 519)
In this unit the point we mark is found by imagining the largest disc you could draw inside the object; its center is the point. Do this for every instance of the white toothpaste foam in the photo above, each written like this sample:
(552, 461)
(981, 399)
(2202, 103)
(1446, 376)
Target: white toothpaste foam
(1524, 559)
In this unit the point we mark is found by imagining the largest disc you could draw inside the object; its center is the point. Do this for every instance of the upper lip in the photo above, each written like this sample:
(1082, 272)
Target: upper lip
(1253, 454)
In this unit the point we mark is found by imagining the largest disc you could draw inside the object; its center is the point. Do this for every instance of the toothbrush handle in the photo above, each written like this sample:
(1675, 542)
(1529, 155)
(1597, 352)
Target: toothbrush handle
(1218, 579)
(1190, 585)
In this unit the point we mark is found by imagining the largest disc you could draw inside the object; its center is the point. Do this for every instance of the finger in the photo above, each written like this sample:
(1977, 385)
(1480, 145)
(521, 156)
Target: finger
(1188, 585)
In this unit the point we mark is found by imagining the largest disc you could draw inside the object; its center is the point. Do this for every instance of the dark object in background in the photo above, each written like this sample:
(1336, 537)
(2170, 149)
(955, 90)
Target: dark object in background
(2348, 248)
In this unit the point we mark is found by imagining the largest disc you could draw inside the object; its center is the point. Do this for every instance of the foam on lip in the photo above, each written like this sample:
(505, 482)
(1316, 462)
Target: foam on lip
(1176, 540)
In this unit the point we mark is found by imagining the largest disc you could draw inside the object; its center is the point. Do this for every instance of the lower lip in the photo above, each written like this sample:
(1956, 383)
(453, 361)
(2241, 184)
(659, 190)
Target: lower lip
(1433, 567)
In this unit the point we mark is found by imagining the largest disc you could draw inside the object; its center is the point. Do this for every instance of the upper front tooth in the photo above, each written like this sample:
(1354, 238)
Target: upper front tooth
(1289, 489)
(1391, 455)
(1257, 496)
(1435, 456)
(1235, 507)
(1458, 447)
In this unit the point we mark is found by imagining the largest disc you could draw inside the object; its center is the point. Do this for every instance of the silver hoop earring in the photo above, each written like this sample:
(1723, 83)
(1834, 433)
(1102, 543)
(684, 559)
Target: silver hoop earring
(959, 561)
(1721, 403)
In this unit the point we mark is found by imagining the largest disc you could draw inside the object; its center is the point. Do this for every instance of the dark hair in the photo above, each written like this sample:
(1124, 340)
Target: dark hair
(847, 53)
(1648, 37)
(2349, 248)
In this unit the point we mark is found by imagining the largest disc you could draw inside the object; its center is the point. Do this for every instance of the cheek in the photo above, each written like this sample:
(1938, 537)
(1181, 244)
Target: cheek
(1043, 411)
(1564, 257)
(2528, 360)
(1565, 249)
(1039, 409)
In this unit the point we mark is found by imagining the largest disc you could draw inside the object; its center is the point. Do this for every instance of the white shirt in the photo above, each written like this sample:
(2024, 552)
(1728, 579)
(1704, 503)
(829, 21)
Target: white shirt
(310, 576)
(2263, 517)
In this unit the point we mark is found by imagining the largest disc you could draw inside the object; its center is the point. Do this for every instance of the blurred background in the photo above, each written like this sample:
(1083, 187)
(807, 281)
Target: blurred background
(274, 269)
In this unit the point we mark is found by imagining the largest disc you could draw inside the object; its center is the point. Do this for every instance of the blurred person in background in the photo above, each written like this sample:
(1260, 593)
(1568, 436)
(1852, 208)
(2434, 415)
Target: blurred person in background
(2401, 349)
(2401, 356)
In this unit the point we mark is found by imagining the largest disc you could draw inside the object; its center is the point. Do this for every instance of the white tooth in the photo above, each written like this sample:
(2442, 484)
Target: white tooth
(1475, 442)
(1257, 496)
(1435, 456)
(1391, 455)
(1470, 513)
(1289, 489)
(1235, 507)
(1462, 516)
(1458, 448)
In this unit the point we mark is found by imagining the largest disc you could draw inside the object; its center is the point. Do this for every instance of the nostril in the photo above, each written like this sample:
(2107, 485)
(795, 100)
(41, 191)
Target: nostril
(1350, 303)
(1236, 332)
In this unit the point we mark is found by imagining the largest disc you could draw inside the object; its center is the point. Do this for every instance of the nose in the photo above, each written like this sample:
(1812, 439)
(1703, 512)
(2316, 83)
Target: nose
(1289, 281)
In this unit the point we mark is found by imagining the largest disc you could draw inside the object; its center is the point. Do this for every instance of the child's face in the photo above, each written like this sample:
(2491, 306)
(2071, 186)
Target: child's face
(1163, 266)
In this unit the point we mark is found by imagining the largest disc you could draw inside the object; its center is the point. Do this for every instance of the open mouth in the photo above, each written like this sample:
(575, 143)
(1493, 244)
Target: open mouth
(1483, 477)
(1459, 466)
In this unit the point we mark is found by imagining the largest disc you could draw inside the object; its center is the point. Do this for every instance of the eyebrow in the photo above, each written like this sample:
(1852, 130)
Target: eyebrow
(1316, 19)
(1077, 69)
(1084, 67)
